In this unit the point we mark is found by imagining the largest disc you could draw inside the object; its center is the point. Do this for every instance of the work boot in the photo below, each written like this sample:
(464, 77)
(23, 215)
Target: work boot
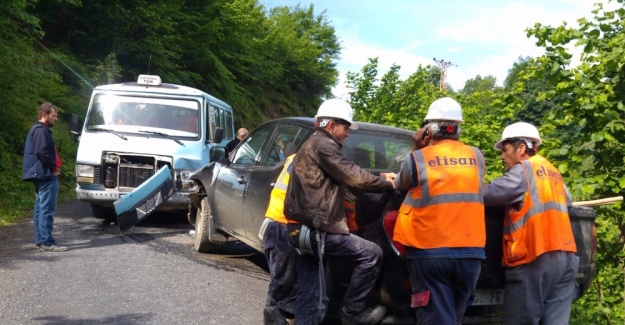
(272, 316)
(367, 316)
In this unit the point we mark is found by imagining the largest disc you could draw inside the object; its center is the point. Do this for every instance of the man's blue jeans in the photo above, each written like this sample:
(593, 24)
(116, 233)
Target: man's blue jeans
(47, 191)
(366, 257)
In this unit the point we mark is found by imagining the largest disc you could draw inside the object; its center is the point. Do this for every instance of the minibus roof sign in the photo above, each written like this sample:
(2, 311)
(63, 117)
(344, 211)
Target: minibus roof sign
(149, 80)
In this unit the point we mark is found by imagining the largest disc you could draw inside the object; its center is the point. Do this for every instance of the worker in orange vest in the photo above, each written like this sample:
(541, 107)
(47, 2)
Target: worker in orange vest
(538, 244)
(441, 221)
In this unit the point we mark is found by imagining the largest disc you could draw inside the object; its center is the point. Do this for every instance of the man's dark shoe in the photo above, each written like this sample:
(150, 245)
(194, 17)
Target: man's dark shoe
(53, 248)
(367, 316)
(272, 316)
(37, 246)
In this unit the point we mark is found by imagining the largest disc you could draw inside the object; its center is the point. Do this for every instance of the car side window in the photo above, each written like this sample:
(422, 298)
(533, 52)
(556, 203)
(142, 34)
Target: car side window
(248, 153)
(376, 150)
(362, 156)
(284, 142)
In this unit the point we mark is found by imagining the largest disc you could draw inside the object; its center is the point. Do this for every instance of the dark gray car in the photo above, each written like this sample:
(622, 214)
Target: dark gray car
(235, 190)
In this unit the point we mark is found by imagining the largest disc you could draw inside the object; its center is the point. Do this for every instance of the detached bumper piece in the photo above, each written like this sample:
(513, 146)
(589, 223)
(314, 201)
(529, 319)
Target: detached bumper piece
(142, 201)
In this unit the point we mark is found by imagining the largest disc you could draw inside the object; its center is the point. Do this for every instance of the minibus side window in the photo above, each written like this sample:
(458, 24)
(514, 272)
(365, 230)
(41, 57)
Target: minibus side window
(227, 124)
(213, 118)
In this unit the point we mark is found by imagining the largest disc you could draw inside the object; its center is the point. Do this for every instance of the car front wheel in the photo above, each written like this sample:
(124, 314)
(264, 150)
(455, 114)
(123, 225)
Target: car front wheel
(206, 236)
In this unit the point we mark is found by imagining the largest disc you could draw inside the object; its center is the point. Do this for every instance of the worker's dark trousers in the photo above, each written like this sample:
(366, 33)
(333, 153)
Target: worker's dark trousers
(442, 288)
(366, 257)
(282, 261)
(541, 292)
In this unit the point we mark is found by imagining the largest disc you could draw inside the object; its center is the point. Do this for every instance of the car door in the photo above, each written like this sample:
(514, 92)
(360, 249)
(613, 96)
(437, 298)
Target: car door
(233, 180)
(285, 140)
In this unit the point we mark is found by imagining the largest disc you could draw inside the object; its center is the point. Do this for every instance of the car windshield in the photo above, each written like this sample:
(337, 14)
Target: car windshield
(175, 117)
(377, 151)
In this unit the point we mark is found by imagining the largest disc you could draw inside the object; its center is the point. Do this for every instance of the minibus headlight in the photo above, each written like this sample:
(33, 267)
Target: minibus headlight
(84, 170)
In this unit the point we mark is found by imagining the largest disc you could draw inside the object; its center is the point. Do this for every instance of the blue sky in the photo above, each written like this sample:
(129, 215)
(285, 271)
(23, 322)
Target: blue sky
(482, 37)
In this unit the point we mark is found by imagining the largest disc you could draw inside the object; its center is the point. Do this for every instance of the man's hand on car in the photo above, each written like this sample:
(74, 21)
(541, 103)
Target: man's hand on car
(388, 176)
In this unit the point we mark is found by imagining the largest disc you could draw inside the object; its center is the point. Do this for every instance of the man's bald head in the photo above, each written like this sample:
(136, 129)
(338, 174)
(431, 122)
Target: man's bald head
(242, 133)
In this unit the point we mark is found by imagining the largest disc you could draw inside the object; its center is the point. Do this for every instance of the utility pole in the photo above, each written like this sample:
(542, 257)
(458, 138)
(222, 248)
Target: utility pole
(443, 65)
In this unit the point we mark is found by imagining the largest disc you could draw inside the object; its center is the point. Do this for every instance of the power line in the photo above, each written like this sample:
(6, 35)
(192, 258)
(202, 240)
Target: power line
(443, 65)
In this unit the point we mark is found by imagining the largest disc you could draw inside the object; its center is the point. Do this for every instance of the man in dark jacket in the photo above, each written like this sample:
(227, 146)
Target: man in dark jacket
(241, 134)
(317, 225)
(41, 167)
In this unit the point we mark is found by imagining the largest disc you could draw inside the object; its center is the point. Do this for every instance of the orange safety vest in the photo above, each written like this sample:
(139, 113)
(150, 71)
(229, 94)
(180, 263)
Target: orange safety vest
(542, 224)
(275, 210)
(446, 207)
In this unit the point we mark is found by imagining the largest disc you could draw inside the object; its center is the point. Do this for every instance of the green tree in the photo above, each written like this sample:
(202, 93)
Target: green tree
(389, 100)
(225, 48)
(479, 83)
(266, 64)
(483, 89)
(18, 91)
(27, 78)
(141, 33)
(523, 79)
(107, 71)
(306, 48)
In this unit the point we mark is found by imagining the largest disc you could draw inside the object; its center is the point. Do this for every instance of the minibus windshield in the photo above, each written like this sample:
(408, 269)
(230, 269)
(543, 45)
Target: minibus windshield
(176, 117)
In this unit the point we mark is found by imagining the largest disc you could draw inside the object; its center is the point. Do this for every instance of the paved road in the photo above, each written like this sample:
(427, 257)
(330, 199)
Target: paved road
(149, 275)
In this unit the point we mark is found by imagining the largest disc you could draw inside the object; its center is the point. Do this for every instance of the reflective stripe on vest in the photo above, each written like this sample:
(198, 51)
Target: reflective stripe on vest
(419, 164)
(283, 181)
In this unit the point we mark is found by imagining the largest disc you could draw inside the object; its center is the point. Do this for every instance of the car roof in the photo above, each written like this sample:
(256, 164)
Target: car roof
(366, 126)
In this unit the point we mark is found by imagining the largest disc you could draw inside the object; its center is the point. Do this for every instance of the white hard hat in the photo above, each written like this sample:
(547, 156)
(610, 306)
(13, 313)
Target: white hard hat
(337, 109)
(523, 131)
(444, 109)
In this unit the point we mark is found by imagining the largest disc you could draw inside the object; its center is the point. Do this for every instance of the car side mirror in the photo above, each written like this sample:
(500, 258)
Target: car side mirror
(75, 125)
(218, 136)
(216, 153)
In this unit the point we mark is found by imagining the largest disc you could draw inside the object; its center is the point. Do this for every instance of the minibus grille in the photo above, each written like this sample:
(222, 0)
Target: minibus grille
(133, 175)
(97, 176)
